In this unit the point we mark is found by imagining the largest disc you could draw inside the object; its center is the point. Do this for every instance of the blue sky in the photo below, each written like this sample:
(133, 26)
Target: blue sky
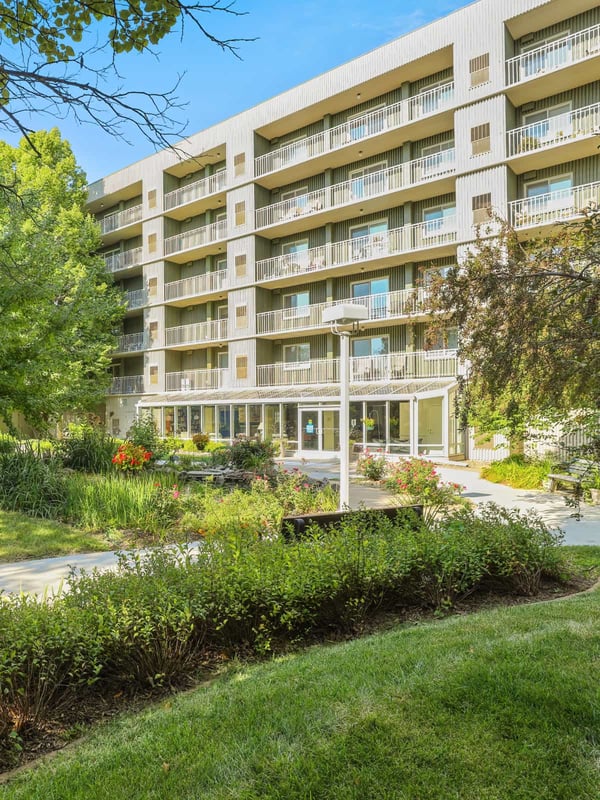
(297, 40)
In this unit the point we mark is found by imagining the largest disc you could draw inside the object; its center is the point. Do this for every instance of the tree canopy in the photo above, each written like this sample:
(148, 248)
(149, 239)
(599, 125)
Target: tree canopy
(59, 312)
(61, 57)
(528, 314)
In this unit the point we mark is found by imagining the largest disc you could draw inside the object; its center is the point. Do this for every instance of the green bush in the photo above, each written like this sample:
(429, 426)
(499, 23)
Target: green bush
(371, 467)
(31, 483)
(252, 454)
(86, 449)
(200, 440)
(144, 433)
(519, 472)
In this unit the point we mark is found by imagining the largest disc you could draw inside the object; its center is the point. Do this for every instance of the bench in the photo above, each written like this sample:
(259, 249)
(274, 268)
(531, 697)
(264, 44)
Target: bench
(574, 474)
(219, 477)
(295, 527)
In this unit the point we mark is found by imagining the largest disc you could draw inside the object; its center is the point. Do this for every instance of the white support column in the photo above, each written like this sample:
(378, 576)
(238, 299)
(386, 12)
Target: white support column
(344, 419)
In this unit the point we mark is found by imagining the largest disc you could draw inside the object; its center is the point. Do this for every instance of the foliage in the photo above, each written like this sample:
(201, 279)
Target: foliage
(528, 313)
(144, 433)
(519, 472)
(200, 440)
(86, 448)
(131, 457)
(251, 454)
(419, 482)
(58, 319)
(32, 484)
(371, 466)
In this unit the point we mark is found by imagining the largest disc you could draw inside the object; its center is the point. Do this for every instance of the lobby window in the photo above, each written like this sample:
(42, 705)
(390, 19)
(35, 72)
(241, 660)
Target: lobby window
(479, 69)
(480, 139)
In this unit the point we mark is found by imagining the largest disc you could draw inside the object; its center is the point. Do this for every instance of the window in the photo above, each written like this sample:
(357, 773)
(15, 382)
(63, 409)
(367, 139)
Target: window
(241, 367)
(550, 194)
(434, 159)
(241, 316)
(482, 208)
(223, 359)
(370, 346)
(221, 264)
(152, 243)
(154, 375)
(431, 98)
(369, 240)
(152, 198)
(240, 213)
(428, 273)
(368, 181)
(240, 265)
(480, 139)
(239, 164)
(439, 220)
(479, 69)
(296, 356)
(443, 342)
(546, 54)
(369, 358)
(296, 305)
(294, 202)
(374, 294)
(546, 125)
(152, 287)
(153, 327)
(223, 311)
(366, 123)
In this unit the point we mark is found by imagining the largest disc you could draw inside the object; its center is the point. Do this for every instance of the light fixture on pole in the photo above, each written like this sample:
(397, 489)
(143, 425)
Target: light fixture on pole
(344, 319)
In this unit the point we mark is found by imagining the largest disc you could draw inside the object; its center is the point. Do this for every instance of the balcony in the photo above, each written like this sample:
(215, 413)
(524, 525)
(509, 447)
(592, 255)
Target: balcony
(194, 380)
(381, 307)
(197, 242)
(530, 146)
(132, 342)
(391, 366)
(197, 333)
(554, 67)
(127, 384)
(374, 131)
(421, 236)
(116, 225)
(125, 259)
(290, 215)
(190, 199)
(195, 286)
(137, 298)
(554, 207)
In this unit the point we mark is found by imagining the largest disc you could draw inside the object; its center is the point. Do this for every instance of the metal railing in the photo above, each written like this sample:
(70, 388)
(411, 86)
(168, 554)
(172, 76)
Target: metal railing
(137, 298)
(372, 123)
(197, 333)
(418, 236)
(558, 206)
(382, 306)
(193, 380)
(554, 130)
(363, 369)
(360, 188)
(127, 384)
(120, 219)
(130, 342)
(196, 237)
(196, 285)
(553, 55)
(195, 191)
(124, 259)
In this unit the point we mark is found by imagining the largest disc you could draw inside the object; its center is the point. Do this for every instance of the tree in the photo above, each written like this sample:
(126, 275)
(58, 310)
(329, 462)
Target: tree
(529, 326)
(54, 60)
(59, 312)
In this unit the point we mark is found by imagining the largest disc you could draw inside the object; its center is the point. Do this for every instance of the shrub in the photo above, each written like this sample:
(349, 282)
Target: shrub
(87, 449)
(200, 440)
(144, 433)
(32, 484)
(372, 467)
(251, 454)
(519, 472)
(418, 480)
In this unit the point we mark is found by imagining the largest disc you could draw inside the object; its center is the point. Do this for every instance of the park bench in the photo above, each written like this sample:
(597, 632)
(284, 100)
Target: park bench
(216, 475)
(574, 474)
(294, 527)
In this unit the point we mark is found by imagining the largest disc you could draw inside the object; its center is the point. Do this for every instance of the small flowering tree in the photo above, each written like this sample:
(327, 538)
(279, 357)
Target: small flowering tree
(372, 467)
(418, 480)
(131, 457)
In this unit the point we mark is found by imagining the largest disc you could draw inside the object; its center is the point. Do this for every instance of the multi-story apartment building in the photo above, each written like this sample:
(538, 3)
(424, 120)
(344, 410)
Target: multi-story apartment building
(352, 187)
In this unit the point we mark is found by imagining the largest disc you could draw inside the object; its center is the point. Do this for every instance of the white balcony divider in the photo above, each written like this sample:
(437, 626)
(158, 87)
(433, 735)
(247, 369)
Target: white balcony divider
(418, 236)
(130, 342)
(120, 219)
(194, 380)
(195, 191)
(380, 306)
(196, 237)
(136, 298)
(196, 285)
(125, 259)
(369, 124)
(556, 206)
(197, 332)
(361, 188)
(555, 130)
(127, 384)
(553, 55)
(391, 366)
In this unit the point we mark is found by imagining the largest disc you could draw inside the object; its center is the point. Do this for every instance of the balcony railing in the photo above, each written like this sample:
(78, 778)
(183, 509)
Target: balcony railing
(555, 130)
(196, 237)
(420, 236)
(392, 366)
(361, 188)
(196, 285)
(194, 380)
(136, 298)
(370, 124)
(380, 307)
(195, 191)
(558, 206)
(197, 333)
(127, 384)
(553, 55)
(131, 342)
(120, 219)
(123, 260)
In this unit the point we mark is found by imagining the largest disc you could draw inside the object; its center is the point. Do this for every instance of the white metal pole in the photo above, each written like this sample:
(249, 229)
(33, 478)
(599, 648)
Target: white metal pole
(344, 419)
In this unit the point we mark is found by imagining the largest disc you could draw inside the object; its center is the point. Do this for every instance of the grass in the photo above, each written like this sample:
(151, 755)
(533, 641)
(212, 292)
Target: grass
(498, 705)
(27, 537)
(518, 472)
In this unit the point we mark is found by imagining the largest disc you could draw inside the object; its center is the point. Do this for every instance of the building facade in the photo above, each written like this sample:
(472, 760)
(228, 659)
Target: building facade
(355, 186)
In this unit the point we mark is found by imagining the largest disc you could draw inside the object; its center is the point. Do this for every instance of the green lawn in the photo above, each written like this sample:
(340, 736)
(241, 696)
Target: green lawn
(499, 705)
(25, 537)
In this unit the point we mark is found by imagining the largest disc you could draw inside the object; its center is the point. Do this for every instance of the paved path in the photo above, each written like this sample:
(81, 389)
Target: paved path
(48, 574)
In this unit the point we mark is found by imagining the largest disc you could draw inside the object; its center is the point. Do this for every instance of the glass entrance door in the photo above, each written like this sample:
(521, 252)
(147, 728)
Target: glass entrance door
(319, 429)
